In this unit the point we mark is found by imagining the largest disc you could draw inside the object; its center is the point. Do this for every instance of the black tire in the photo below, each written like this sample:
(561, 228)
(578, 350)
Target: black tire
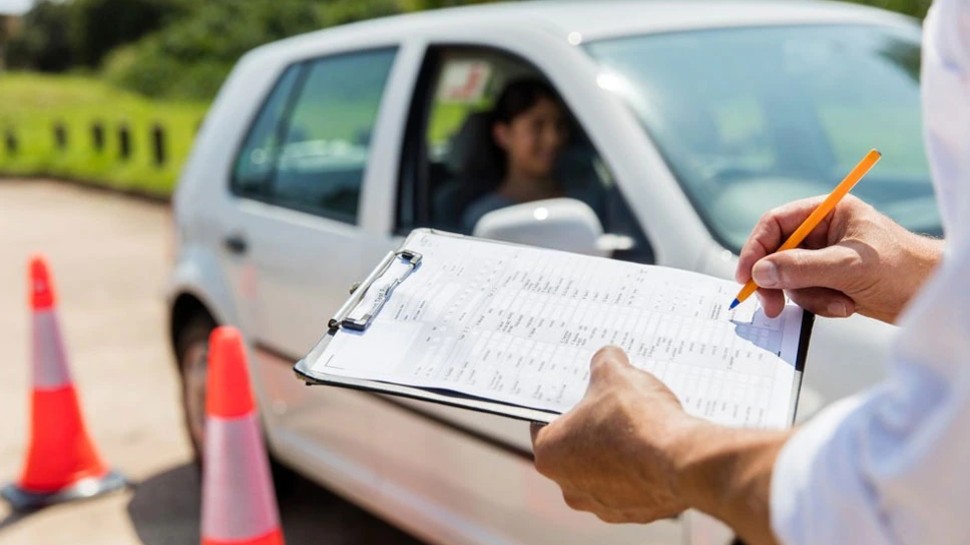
(191, 350)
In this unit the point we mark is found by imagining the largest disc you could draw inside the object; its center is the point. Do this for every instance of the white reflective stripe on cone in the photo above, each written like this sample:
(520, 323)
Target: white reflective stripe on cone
(238, 501)
(50, 360)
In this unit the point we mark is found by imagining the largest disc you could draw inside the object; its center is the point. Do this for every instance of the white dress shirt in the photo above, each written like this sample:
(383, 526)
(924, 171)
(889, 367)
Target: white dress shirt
(892, 464)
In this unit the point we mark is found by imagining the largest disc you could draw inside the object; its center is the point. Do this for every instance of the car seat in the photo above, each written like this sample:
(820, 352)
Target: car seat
(476, 169)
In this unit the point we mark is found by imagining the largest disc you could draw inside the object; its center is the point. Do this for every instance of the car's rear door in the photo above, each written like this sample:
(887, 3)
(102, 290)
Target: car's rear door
(301, 235)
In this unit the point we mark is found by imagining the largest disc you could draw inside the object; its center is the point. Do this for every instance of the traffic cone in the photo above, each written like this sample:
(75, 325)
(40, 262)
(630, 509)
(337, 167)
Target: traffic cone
(62, 462)
(238, 501)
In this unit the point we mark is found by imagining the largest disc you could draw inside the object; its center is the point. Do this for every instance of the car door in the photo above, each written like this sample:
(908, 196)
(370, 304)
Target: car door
(491, 463)
(449, 130)
(300, 231)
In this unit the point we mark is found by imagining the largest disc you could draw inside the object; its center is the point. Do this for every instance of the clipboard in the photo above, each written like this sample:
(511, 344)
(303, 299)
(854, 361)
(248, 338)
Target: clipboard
(367, 300)
(346, 317)
(357, 314)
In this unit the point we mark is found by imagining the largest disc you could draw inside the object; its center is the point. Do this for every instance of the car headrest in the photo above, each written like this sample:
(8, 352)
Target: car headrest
(471, 144)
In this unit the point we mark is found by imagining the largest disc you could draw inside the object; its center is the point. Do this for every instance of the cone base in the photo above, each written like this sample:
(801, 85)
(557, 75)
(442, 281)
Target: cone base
(274, 537)
(24, 500)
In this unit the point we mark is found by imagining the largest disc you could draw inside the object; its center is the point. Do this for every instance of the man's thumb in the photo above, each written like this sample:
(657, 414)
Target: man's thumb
(830, 267)
(605, 362)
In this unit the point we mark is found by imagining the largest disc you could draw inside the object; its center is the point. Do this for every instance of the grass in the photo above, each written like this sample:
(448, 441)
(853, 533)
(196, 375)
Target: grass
(31, 105)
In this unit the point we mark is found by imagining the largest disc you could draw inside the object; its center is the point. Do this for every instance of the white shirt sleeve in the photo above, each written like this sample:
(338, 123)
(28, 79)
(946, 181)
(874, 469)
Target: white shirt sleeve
(892, 465)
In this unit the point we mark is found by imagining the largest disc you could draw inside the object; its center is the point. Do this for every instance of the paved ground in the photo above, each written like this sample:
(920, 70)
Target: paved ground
(109, 256)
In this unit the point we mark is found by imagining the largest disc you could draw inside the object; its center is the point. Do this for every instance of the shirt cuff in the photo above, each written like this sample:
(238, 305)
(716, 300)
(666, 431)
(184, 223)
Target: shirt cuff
(794, 506)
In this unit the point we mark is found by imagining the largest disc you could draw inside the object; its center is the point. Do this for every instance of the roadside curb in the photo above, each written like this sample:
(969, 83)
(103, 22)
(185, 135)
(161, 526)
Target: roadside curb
(87, 184)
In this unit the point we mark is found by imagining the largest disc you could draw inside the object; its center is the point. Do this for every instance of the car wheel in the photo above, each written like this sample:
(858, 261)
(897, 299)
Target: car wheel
(192, 351)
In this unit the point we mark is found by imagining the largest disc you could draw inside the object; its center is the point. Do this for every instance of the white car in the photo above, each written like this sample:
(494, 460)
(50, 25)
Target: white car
(689, 120)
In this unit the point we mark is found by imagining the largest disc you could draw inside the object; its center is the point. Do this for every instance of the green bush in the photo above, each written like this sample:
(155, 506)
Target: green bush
(148, 70)
(98, 26)
(44, 43)
(190, 57)
(60, 35)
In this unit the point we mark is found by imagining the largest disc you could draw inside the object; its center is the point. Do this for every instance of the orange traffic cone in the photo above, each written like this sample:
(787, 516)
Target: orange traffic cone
(238, 501)
(62, 462)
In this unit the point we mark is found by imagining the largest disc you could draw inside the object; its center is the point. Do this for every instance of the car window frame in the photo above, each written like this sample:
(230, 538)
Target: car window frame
(414, 148)
(413, 191)
(303, 65)
(412, 180)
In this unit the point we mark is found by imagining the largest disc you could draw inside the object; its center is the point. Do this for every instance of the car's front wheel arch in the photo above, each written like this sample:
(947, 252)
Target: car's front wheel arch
(190, 340)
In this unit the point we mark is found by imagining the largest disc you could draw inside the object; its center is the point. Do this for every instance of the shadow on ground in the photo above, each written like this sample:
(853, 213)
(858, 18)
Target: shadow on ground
(12, 518)
(164, 510)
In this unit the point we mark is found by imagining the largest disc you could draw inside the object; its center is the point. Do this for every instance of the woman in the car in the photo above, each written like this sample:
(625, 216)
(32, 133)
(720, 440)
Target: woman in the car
(529, 129)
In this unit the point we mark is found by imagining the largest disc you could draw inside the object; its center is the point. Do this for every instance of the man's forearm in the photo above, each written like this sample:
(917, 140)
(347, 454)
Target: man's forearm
(726, 473)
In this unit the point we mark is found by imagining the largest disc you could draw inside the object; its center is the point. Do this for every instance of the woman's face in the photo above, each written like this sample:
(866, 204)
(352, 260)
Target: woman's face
(533, 138)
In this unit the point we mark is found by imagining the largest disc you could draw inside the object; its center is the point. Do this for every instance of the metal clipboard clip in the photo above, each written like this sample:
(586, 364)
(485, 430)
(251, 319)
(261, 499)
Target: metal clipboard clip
(369, 296)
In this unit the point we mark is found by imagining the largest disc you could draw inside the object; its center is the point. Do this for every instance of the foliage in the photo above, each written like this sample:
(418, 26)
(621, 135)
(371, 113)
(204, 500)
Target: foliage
(59, 35)
(190, 58)
(98, 26)
(31, 104)
(44, 43)
(915, 8)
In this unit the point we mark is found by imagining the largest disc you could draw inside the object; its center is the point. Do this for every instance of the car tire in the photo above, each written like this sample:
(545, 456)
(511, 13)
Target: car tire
(191, 350)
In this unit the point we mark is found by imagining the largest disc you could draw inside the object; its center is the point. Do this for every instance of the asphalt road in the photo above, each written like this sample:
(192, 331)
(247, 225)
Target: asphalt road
(109, 258)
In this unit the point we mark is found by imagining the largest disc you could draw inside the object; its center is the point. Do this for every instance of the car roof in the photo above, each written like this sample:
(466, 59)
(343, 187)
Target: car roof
(586, 20)
(596, 19)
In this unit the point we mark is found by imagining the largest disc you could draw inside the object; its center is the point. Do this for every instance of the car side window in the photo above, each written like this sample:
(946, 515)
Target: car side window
(327, 135)
(308, 147)
(256, 160)
(450, 162)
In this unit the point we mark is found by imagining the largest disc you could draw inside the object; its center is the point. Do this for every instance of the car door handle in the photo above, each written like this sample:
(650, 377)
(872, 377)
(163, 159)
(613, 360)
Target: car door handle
(236, 244)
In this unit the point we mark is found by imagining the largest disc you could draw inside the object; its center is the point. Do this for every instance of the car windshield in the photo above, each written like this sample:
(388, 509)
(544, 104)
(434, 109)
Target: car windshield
(750, 118)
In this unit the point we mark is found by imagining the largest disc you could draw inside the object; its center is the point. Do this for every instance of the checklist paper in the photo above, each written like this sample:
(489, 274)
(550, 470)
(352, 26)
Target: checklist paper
(519, 325)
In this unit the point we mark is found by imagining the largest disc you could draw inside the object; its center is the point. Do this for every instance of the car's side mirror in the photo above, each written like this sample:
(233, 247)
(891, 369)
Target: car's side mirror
(562, 224)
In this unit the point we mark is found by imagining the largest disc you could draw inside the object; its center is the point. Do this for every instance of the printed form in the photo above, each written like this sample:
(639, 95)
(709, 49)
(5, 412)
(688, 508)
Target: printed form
(519, 325)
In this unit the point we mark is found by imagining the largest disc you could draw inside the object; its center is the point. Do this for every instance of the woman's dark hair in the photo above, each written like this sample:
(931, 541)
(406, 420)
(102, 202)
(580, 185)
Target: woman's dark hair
(520, 95)
(487, 167)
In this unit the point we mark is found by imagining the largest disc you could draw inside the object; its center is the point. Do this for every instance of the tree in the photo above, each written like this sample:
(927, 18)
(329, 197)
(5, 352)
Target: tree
(98, 26)
(43, 43)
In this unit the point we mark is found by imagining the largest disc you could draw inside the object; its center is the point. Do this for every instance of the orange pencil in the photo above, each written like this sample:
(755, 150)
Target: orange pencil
(812, 221)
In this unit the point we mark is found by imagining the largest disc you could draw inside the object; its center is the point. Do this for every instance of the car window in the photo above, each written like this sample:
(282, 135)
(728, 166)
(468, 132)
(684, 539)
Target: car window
(327, 134)
(455, 165)
(749, 118)
(255, 162)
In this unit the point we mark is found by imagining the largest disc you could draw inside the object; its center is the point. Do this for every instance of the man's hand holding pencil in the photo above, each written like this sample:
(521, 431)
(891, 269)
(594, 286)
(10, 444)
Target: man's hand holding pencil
(855, 260)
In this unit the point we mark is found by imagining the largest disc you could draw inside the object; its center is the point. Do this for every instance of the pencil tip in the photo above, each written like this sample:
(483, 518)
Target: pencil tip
(734, 304)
